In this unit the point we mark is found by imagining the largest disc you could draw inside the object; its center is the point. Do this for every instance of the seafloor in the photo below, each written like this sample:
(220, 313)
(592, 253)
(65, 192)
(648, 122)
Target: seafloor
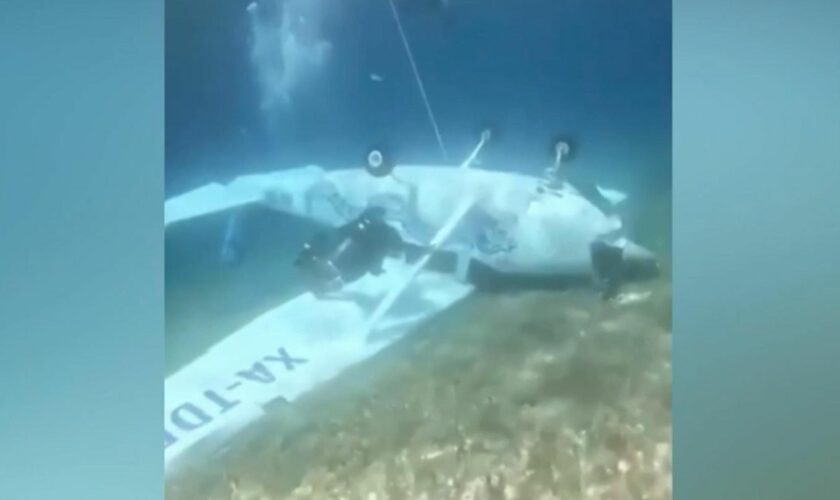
(527, 395)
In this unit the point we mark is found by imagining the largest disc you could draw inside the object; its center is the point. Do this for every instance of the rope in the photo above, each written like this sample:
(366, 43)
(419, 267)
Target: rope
(419, 81)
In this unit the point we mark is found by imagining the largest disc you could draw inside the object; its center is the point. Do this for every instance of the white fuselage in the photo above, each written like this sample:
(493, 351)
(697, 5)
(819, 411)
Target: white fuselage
(552, 228)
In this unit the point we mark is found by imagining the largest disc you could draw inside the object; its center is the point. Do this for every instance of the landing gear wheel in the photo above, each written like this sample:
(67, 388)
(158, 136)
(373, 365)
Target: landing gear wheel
(488, 131)
(378, 165)
(563, 148)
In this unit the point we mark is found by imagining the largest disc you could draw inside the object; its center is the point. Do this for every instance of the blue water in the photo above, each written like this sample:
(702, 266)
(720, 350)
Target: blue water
(596, 70)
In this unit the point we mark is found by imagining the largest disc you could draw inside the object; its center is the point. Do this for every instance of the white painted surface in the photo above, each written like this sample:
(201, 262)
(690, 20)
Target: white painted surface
(289, 350)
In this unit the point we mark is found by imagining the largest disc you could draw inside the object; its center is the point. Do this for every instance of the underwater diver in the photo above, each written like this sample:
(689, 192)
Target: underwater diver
(333, 259)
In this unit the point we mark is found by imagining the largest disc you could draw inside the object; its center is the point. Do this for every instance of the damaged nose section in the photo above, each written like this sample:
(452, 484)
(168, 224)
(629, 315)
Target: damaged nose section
(616, 263)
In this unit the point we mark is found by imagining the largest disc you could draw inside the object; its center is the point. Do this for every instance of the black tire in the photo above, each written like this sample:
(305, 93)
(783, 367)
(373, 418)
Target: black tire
(378, 163)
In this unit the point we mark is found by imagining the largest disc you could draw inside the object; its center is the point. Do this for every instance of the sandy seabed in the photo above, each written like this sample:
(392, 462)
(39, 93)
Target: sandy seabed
(531, 395)
(527, 395)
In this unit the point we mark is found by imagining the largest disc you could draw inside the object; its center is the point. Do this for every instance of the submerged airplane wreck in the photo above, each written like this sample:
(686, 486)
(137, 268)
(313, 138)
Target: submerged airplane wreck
(495, 227)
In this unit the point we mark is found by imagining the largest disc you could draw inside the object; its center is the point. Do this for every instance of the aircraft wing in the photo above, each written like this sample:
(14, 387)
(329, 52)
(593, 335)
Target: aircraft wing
(286, 188)
(289, 350)
(243, 190)
(207, 199)
(294, 347)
